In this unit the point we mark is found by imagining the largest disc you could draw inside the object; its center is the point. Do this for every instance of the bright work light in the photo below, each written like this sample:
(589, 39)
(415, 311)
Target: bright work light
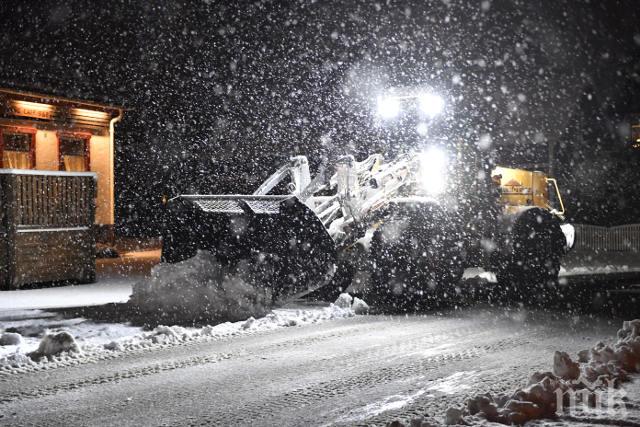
(431, 104)
(433, 170)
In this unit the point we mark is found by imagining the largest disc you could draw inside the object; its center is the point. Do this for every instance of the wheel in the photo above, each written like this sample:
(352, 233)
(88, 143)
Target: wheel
(345, 270)
(413, 257)
(530, 271)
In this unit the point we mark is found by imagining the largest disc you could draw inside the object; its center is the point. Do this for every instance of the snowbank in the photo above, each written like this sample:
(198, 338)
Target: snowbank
(344, 301)
(603, 366)
(10, 338)
(359, 306)
(199, 289)
(588, 378)
(598, 269)
(53, 344)
(94, 342)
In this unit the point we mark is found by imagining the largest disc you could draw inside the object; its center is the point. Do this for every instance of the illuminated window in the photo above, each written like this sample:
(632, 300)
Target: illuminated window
(74, 153)
(17, 149)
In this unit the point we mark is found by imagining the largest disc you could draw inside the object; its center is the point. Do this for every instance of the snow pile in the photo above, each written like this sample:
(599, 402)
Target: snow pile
(113, 346)
(589, 377)
(602, 366)
(98, 341)
(452, 417)
(53, 344)
(15, 360)
(199, 289)
(344, 301)
(10, 338)
(359, 306)
(165, 334)
(564, 367)
(279, 318)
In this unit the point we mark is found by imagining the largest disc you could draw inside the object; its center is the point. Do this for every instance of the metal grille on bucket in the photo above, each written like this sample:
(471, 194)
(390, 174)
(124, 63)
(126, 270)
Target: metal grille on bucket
(264, 206)
(219, 205)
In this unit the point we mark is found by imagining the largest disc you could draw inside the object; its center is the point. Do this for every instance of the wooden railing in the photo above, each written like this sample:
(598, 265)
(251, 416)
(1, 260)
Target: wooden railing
(623, 238)
(46, 232)
(42, 199)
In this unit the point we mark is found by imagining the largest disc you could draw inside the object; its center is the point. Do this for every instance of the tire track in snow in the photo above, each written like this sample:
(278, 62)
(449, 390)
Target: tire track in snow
(314, 373)
(15, 379)
(14, 383)
(307, 396)
(10, 396)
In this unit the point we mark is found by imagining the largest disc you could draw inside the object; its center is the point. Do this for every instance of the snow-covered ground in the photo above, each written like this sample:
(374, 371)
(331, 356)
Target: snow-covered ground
(577, 263)
(34, 313)
(27, 316)
(586, 388)
(24, 312)
(32, 325)
(29, 319)
(358, 370)
(106, 290)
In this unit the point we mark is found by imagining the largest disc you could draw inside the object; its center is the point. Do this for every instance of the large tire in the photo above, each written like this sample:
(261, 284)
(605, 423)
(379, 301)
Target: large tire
(529, 271)
(414, 257)
(349, 263)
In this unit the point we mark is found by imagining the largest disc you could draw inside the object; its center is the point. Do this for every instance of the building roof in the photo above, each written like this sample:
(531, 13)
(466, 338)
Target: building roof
(59, 100)
(50, 111)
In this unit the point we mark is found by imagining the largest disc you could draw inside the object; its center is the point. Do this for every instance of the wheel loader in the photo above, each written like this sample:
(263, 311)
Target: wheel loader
(404, 228)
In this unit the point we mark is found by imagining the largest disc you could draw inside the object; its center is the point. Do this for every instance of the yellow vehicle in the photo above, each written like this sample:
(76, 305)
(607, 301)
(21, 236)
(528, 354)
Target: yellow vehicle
(531, 235)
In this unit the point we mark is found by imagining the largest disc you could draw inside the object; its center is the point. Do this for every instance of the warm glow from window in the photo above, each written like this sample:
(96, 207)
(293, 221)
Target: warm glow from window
(17, 150)
(74, 154)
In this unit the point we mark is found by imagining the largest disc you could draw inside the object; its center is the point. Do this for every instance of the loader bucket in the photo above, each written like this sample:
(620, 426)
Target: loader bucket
(277, 239)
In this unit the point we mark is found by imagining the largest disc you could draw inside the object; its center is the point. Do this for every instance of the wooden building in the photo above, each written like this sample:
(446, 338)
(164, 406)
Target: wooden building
(56, 186)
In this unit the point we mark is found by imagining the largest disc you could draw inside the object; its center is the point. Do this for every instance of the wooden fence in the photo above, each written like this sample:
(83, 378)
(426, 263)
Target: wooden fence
(623, 238)
(46, 221)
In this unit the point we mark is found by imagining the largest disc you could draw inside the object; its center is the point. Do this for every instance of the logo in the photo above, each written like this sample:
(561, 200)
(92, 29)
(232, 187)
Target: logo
(586, 397)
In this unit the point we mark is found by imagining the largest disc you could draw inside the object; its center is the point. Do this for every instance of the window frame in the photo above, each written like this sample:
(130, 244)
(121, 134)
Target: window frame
(32, 143)
(86, 137)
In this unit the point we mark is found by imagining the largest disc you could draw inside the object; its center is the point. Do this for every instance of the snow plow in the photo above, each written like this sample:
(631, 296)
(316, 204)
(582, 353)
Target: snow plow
(404, 228)
(266, 238)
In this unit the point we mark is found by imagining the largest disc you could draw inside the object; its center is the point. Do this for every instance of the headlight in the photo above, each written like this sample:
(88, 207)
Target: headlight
(433, 171)
(430, 104)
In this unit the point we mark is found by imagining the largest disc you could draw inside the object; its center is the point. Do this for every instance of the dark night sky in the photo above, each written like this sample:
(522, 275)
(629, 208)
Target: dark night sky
(219, 93)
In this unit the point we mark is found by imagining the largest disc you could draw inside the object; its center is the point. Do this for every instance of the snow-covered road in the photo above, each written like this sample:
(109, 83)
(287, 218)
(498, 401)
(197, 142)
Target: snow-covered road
(363, 369)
